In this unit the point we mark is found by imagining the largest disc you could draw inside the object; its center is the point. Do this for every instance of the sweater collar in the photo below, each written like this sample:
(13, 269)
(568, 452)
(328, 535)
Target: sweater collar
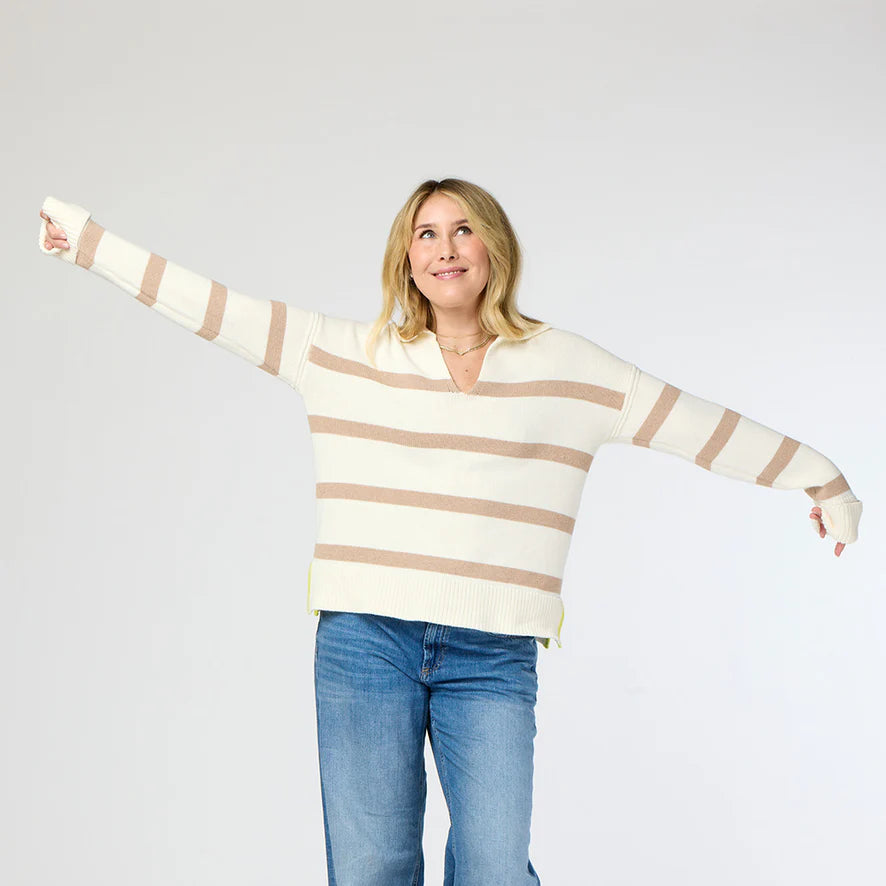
(531, 334)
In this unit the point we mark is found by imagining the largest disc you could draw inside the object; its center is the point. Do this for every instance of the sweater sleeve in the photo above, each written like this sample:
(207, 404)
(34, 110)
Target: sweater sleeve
(659, 416)
(270, 334)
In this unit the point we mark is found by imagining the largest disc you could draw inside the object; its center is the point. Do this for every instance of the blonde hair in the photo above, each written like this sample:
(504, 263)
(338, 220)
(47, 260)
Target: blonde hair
(498, 310)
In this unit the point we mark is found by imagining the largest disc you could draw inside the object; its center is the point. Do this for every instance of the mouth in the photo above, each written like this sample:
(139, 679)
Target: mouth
(449, 275)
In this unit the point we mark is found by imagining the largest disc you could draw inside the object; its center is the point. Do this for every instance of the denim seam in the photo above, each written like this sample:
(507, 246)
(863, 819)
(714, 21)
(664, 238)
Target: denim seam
(440, 644)
(327, 843)
(417, 876)
(443, 647)
(444, 780)
(417, 872)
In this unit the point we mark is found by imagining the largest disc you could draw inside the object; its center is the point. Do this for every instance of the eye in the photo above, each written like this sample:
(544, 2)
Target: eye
(429, 231)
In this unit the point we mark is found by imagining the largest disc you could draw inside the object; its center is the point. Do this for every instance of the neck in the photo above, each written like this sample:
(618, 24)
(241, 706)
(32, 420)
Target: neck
(457, 323)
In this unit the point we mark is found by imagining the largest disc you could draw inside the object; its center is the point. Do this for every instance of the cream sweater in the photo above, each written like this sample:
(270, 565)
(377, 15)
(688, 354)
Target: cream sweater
(443, 506)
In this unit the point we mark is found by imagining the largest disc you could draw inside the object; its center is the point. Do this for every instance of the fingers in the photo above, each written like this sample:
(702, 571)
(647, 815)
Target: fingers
(815, 514)
(57, 238)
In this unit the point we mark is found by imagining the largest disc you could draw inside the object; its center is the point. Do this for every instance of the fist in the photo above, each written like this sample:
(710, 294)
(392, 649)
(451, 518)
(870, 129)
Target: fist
(57, 237)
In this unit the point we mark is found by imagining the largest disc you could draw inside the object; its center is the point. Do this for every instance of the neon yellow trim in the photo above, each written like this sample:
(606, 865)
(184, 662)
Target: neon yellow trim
(546, 642)
(314, 611)
(559, 626)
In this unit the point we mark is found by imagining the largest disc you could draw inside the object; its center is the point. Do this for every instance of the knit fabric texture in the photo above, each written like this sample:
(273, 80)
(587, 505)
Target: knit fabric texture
(439, 505)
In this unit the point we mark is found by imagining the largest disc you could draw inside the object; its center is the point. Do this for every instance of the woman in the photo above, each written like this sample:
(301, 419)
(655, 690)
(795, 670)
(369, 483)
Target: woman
(451, 449)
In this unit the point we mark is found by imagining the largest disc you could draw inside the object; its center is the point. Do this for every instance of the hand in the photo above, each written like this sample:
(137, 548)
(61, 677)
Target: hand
(57, 237)
(815, 514)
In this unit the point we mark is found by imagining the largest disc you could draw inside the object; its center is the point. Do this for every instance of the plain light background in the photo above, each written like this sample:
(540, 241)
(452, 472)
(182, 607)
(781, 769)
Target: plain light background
(699, 188)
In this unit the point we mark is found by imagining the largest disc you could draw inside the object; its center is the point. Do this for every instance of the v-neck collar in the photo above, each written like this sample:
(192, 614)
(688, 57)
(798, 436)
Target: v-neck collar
(432, 341)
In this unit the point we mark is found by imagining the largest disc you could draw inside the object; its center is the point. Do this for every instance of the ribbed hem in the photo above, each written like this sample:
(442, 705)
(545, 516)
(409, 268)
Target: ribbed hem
(418, 595)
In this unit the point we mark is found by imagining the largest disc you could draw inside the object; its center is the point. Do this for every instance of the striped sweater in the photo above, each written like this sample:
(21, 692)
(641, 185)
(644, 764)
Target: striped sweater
(439, 505)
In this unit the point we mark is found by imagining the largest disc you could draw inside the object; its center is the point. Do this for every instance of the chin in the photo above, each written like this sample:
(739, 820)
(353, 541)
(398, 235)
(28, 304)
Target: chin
(458, 300)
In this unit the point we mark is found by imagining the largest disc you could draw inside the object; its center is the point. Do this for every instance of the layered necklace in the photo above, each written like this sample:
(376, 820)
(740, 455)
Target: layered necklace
(467, 351)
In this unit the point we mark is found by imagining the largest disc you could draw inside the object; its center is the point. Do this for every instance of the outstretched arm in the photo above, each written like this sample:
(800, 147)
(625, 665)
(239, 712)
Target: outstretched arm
(659, 416)
(268, 333)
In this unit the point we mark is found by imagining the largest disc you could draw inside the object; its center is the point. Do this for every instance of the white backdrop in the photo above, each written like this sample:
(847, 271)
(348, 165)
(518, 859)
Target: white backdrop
(699, 188)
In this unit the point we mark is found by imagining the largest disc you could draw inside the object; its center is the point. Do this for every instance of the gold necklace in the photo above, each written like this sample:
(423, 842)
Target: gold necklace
(462, 353)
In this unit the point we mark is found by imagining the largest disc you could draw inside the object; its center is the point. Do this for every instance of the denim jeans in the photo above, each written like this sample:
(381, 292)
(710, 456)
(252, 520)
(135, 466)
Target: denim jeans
(381, 684)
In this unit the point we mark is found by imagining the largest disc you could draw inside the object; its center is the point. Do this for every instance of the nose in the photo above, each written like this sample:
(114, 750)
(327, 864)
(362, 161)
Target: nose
(447, 249)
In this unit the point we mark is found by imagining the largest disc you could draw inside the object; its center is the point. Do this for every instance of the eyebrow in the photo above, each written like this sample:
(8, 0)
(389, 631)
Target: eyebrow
(461, 221)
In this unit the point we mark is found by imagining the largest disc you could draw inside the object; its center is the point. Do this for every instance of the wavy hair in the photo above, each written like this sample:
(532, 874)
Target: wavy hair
(498, 312)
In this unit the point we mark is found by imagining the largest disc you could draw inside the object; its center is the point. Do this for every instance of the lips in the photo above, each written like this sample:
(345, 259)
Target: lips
(449, 273)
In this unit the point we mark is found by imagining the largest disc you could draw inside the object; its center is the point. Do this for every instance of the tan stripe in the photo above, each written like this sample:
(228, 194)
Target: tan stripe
(215, 311)
(391, 379)
(657, 415)
(276, 331)
(543, 388)
(445, 565)
(830, 489)
(321, 424)
(572, 390)
(88, 243)
(718, 440)
(438, 501)
(151, 280)
(779, 461)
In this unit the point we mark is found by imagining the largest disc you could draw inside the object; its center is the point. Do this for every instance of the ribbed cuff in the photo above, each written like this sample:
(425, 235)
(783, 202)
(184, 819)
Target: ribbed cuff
(72, 219)
(840, 515)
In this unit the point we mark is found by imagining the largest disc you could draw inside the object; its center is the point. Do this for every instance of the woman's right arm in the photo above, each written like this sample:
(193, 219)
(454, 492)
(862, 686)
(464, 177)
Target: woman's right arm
(270, 334)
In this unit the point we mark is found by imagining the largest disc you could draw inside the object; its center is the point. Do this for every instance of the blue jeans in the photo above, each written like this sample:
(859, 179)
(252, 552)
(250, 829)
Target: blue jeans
(381, 684)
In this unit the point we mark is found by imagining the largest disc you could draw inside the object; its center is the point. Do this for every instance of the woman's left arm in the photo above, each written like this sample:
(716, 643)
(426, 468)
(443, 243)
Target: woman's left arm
(659, 416)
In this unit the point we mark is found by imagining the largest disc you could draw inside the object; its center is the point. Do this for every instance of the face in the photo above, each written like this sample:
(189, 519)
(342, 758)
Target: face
(441, 240)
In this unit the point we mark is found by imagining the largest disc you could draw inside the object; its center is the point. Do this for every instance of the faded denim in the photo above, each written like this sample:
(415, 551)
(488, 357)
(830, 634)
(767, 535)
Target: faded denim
(381, 684)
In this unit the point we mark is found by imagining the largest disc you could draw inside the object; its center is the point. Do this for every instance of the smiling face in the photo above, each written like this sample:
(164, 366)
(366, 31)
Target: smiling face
(449, 262)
